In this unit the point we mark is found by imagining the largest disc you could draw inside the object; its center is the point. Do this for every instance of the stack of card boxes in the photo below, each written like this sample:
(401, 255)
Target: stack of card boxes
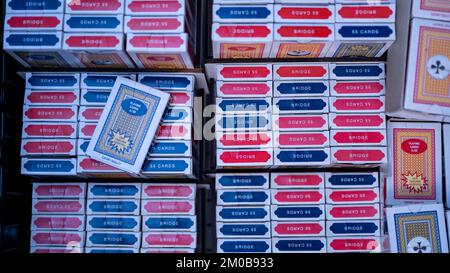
(95, 90)
(357, 118)
(93, 34)
(363, 28)
(302, 29)
(50, 124)
(353, 212)
(168, 218)
(421, 57)
(242, 30)
(155, 34)
(171, 154)
(243, 118)
(243, 213)
(300, 120)
(298, 218)
(58, 218)
(113, 221)
(33, 33)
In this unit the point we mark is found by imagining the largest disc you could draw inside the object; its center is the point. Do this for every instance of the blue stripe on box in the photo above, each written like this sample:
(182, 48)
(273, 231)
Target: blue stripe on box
(230, 213)
(52, 80)
(353, 228)
(56, 166)
(244, 197)
(84, 22)
(352, 180)
(244, 229)
(114, 190)
(302, 156)
(306, 88)
(166, 82)
(244, 106)
(113, 206)
(357, 71)
(242, 180)
(292, 212)
(105, 222)
(366, 31)
(299, 245)
(43, 5)
(301, 104)
(96, 96)
(244, 246)
(161, 165)
(243, 12)
(169, 223)
(168, 148)
(35, 39)
(175, 115)
(100, 81)
(122, 239)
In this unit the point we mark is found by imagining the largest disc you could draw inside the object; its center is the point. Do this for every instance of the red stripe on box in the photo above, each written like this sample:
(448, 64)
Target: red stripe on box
(305, 31)
(357, 155)
(243, 31)
(365, 12)
(92, 41)
(234, 72)
(304, 13)
(157, 41)
(245, 156)
(301, 71)
(48, 147)
(94, 5)
(34, 21)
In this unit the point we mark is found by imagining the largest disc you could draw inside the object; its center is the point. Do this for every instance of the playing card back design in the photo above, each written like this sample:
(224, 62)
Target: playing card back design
(435, 5)
(297, 50)
(414, 164)
(358, 50)
(128, 121)
(418, 232)
(242, 51)
(432, 81)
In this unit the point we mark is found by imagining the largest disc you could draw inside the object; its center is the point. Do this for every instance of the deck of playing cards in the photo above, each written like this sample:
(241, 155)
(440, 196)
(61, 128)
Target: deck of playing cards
(129, 122)
(415, 163)
(417, 229)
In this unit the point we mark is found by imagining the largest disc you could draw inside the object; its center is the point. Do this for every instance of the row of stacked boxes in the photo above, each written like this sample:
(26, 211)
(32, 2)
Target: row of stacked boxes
(113, 218)
(320, 114)
(305, 29)
(300, 213)
(60, 115)
(91, 34)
